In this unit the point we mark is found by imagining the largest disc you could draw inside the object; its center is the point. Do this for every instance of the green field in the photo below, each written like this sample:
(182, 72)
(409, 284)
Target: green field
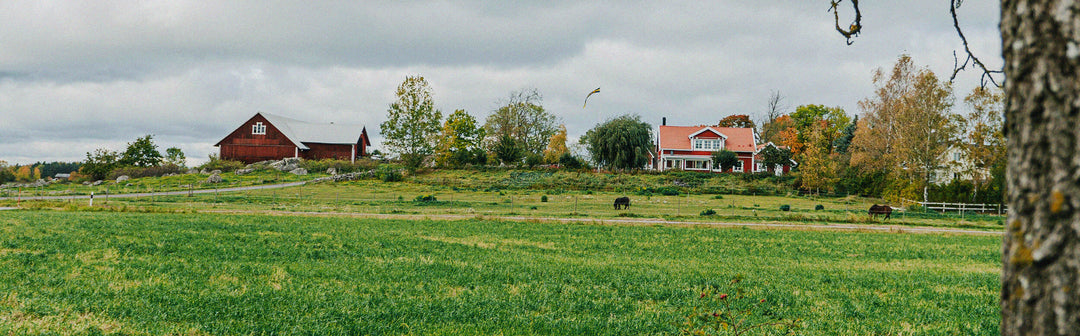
(677, 197)
(197, 274)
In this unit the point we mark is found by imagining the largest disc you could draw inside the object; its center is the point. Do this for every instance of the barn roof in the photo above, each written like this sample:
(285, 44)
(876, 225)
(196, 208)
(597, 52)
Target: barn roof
(678, 137)
(300, 132)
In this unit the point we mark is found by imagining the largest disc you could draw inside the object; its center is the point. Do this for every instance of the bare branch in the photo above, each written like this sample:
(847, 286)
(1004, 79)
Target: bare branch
(856, 27)
(987, 74)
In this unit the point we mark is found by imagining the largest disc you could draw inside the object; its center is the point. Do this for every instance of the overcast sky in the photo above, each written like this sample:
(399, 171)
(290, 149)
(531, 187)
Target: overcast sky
(80, 75)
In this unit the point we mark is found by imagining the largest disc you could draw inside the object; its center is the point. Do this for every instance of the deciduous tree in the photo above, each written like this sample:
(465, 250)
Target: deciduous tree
(817, 166)
(984, 143)
(523, 119)
(100, 163)
(927, 128)
(906, 129)
(736, 120)
(874, 147)
(459, 141)
(175, 156)
(774, 109)
(807, 119)
(773, 157)
(620, 143)
(556, 146)
(141, 153)
(725, 159)
(412, 122)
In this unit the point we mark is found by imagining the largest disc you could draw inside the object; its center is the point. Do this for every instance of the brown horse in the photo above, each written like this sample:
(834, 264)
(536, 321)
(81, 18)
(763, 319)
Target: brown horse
(880, 210)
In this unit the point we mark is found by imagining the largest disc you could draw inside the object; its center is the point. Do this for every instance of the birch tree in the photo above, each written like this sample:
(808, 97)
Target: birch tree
(1040, 292)
(412, 122)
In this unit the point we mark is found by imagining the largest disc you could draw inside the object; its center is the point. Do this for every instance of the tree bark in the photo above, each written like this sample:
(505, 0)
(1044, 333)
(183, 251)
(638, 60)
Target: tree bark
(1040, 292)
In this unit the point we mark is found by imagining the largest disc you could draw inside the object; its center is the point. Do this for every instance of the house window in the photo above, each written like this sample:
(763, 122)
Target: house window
(759, 166)
(694, 164)
(708, 144)
(258, 128)
(738, 167)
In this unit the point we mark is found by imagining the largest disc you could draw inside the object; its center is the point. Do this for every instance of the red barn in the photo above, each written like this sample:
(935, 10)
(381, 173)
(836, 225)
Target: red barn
(691, 147)
(269, 137)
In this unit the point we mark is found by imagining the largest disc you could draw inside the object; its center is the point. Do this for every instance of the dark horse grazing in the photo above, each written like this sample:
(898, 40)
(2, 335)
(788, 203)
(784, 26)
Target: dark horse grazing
(622, 201)
(880, 210)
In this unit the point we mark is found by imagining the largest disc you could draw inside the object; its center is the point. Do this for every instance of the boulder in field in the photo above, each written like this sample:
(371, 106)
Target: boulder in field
(215, 178)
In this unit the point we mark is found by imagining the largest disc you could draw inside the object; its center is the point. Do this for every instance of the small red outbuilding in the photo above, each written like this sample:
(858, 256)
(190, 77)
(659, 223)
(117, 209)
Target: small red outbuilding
(270, 137)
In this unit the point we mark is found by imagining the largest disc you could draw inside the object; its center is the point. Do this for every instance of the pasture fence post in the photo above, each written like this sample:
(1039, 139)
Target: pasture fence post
(678, 206)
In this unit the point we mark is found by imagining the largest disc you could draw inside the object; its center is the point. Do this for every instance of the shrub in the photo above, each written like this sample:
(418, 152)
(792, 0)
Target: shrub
(543, 199)
(666, 191)
(412, 161)
(137, 172)
(785, 207)
(425, 198)
(389, 174)
(223, 165)
(569, 161)
(819, 207)
(708, 212)
(342, 166)
(532, 160)
(718, 197)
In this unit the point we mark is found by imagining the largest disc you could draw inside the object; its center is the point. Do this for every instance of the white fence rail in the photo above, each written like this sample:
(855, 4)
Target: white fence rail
(962, 207)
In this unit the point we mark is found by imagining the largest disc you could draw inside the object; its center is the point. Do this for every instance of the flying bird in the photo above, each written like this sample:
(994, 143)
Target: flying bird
(590, 94)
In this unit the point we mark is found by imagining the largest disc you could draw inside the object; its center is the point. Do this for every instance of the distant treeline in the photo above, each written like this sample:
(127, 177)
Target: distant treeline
(33, 172)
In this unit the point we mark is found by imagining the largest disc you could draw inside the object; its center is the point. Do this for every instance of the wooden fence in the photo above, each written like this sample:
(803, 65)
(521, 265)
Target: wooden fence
(962, 207)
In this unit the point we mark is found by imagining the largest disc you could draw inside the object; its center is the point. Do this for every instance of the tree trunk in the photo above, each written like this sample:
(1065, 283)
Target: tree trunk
(1040, 292)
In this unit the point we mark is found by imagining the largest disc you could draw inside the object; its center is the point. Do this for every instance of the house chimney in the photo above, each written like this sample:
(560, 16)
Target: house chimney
(663, 121)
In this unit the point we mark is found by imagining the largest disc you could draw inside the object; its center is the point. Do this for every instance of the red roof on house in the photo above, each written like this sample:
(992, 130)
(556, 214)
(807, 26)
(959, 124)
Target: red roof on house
(678, 137)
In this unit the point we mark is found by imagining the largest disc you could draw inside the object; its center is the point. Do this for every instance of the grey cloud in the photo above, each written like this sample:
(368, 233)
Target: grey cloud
(98, 73)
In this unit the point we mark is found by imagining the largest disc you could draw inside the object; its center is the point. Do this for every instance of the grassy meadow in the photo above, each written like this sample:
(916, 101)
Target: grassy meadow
(126, 273)
(541, 194)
